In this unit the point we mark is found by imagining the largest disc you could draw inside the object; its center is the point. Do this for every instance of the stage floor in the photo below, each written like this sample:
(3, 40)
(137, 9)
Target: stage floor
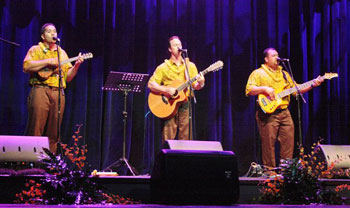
(138, 188)
(171, 206)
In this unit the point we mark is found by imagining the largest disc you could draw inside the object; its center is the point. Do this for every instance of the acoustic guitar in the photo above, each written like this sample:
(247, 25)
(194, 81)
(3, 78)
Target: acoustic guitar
(165, 107)
(269, 105)
(45, 73)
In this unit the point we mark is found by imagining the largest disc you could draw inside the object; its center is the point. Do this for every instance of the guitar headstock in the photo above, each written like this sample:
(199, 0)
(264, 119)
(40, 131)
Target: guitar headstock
(215, 66)
(87, 55)
(330, 75)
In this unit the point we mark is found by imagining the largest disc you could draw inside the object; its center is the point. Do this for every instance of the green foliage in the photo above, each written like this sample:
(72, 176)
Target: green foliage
(65, 185)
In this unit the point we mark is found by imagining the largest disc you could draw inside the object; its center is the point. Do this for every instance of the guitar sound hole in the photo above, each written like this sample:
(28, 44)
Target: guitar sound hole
(164, 99)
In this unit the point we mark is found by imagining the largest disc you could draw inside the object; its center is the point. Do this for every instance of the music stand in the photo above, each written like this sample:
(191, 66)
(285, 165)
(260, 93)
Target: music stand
(125, 82)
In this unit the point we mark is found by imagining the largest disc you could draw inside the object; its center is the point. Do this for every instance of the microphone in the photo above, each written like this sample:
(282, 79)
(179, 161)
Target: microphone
(282, 59)
(182, 50)
(56, 39)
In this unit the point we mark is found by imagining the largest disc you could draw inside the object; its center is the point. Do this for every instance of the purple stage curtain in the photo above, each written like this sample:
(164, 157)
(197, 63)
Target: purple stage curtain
(131, 36)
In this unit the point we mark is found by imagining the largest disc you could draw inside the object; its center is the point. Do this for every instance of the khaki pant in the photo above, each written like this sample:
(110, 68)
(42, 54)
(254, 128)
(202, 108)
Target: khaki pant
(42, 106)
(274, 127)
(179, 123)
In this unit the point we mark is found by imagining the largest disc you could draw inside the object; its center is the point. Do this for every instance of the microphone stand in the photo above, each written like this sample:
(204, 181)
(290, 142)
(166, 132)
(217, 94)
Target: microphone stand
(9, 42)
(185, 57)
(289, 68)
(59, 147)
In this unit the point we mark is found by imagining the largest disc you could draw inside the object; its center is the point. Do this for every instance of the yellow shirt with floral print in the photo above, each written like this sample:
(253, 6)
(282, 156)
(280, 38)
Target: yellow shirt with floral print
(40, 52)
(265, 76)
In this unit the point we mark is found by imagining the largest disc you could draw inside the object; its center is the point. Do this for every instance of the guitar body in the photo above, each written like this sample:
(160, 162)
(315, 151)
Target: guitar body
(163, 106)
(269, 106)
(45, 73)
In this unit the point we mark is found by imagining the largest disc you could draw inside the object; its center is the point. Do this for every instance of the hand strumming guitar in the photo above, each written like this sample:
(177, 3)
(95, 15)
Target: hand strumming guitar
(52, 63)
(269, 91)
(170, 91)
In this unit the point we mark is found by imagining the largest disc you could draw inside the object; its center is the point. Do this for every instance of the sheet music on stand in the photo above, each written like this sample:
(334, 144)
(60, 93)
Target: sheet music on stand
(125, 82)
(119, 81)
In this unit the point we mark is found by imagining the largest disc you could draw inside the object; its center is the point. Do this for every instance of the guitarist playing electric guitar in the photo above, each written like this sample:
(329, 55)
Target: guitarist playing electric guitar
(275, 124)
(173, 70)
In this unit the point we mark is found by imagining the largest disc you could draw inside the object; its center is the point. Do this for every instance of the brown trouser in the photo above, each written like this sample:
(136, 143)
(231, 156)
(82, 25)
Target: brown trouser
(179, 121)
(277, 126)
(42, 106)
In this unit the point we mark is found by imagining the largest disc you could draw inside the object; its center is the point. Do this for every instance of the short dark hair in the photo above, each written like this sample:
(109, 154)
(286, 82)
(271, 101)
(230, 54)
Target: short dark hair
(44, 26)
(172, 38)
(266, 51)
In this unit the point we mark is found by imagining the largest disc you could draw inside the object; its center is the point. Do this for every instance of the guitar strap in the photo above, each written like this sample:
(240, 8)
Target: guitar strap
(285, 77)
(186, 74)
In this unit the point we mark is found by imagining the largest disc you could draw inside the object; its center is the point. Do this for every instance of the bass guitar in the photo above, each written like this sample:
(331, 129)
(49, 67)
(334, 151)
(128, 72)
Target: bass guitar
(165, 107)
(45, 73)
(269, 105)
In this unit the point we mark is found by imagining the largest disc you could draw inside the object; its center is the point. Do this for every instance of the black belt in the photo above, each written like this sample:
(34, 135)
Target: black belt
(45, 86)
(278, 110)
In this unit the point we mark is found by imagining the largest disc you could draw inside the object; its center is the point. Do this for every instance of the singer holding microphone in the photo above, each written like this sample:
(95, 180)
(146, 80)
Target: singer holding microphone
(42, 101)
(277, 126)
(174, 69)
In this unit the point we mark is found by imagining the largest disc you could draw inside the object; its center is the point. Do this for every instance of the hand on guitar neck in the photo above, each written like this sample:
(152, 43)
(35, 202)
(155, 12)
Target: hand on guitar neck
(200, 82)
(317, 82)
(79, 60)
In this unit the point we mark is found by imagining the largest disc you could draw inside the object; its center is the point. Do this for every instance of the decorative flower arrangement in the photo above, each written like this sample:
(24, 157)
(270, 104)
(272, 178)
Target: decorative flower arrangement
(64, 185)
(299, 182)
(76, 153)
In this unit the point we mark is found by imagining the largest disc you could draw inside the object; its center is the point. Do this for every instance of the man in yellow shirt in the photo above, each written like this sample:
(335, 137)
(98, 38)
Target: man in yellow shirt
(277, 126)
(43, 98)
(174, 69)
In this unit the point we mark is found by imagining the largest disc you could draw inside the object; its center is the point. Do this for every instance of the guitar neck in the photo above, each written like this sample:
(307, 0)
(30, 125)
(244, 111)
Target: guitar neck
(69, 60)
(294, 89)
(189, 82)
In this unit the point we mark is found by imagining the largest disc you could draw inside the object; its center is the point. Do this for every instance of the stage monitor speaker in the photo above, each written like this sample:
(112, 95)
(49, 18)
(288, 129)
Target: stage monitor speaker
(193, 145)
(195, 177)
(337, 154)
(22, 148)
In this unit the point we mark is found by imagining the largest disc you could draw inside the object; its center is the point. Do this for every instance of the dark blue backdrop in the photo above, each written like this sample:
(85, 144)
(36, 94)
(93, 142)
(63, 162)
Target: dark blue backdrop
(130, 35)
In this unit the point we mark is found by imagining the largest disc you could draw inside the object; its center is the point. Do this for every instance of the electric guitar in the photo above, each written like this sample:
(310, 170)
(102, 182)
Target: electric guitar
(269, 106)
(45, 73)
(165, 107)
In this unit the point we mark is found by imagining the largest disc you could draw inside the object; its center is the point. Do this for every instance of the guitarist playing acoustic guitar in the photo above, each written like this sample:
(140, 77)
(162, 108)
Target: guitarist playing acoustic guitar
(173, 71)
(275, 124)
